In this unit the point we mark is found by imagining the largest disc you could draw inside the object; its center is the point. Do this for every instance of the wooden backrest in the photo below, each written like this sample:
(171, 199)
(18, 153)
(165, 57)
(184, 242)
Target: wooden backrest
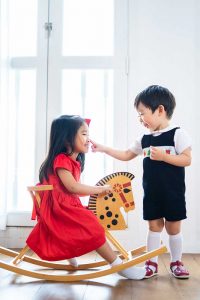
(35, 195)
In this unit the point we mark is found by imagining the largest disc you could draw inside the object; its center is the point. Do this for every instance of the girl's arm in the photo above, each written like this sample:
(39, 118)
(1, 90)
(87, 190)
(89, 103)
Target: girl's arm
(75, 187)
(180, 160)
(115, 153)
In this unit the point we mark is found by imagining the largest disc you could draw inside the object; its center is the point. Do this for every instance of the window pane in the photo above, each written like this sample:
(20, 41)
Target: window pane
(89, 93)
(71, 93)
(88, 27)
(21, 136)
(23, 27)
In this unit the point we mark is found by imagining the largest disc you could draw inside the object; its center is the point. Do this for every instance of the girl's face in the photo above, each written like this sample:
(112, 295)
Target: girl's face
(152, 120)
(82, 139)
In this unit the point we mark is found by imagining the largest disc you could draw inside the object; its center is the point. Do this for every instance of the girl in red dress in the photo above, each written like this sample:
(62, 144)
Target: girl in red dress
(65, 228)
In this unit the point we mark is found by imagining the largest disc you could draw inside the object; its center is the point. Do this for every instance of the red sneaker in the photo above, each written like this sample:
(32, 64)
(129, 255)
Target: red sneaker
(178, 270)
(149, 271)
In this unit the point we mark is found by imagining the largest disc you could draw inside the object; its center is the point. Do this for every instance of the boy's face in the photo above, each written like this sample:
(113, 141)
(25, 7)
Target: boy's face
(152, 120)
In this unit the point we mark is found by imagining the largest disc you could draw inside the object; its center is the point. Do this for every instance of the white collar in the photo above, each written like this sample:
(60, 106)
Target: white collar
(157, 132)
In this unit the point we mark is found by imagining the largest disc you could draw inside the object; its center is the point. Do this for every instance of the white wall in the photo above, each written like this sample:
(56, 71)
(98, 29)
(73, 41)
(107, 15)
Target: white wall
(164, 48)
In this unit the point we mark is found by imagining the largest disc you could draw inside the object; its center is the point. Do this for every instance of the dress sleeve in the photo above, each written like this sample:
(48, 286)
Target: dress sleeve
(62, 162)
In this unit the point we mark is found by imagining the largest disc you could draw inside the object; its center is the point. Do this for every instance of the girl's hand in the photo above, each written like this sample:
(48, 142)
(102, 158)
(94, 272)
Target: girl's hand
(157, 154)
(106, 189)
(97, 147)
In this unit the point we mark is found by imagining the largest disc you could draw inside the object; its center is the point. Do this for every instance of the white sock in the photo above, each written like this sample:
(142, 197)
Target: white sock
(175, 246)
(153, 242)
(136, 273)
(73, 262)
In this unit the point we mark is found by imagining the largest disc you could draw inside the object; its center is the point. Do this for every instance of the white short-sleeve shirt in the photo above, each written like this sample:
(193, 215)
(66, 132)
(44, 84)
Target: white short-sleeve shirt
(182, 140)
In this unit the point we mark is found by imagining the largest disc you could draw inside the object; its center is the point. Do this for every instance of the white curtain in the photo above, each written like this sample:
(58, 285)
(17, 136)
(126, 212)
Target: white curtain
(4, 106)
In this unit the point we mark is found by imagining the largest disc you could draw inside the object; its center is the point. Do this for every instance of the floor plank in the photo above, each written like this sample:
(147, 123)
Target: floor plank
(112, 287)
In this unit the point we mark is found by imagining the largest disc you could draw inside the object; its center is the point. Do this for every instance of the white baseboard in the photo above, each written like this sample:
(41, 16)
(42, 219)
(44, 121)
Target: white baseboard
(14, 237)
(20, 219)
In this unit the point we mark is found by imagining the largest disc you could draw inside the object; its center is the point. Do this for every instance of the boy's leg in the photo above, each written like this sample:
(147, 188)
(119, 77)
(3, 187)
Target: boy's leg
(175, 239)
(175, 246)
(153, 242)
(109, 255)
(154, 236)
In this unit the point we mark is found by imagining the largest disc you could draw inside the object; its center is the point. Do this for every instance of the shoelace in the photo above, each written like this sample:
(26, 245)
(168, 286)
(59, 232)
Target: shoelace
(179, 266)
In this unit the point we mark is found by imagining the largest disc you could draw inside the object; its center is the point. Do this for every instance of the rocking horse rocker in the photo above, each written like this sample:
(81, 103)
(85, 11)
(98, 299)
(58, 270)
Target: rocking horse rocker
(107, 209)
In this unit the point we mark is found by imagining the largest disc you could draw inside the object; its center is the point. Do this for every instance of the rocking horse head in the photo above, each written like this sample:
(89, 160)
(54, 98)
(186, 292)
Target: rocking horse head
(107, 206)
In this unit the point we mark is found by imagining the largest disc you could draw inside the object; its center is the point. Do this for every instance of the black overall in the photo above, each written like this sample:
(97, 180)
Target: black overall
(164, 184)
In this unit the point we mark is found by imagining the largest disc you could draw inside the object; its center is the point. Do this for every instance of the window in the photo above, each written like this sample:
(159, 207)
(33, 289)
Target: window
(65, 57)
(88, 28)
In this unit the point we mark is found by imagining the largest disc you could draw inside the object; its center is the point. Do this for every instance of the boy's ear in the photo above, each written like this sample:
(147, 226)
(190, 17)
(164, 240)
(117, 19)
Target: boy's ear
(161, 108)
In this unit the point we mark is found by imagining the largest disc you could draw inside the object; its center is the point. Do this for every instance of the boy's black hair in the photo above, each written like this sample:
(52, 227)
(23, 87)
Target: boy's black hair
(156, 95)
(62, 137)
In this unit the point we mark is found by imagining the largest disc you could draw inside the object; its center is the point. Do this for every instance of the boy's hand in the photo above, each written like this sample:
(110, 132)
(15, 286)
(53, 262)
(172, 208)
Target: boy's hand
(96, 147)
(156, 154)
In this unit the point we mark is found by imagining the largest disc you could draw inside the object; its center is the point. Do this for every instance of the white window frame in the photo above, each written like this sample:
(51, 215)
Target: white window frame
(48, 83)
(40, 63)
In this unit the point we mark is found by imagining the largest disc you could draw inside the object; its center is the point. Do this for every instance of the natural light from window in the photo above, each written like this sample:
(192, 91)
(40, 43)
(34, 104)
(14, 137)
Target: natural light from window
(23, 27)
(88, 27)
(21, 150)
(89, 93)
(86, 30)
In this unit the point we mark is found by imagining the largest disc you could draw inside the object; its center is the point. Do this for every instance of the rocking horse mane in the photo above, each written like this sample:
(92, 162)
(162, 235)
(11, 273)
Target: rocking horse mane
(116, 174)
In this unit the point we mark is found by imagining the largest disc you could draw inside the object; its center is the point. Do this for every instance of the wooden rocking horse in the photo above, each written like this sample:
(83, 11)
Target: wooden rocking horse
(107, 210)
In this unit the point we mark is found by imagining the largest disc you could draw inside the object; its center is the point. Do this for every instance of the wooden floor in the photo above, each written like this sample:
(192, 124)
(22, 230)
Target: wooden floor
(112, 287)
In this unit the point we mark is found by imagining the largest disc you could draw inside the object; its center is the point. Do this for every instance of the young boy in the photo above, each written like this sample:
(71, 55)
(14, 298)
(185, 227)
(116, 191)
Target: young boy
(166, 152)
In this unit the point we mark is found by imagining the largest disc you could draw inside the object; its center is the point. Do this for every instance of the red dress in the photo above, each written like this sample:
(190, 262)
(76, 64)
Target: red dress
(65, 228)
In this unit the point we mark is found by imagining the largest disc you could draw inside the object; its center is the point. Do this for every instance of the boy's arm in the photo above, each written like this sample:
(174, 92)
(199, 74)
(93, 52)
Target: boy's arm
(181, 160)
(77, 188)
(124, 155)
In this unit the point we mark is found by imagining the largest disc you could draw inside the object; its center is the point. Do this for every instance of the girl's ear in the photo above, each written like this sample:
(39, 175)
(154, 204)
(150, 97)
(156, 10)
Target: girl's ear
(68, 148)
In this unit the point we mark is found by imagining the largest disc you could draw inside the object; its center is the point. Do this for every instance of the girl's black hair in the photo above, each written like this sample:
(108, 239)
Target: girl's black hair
(156, 95)
(62, 137)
